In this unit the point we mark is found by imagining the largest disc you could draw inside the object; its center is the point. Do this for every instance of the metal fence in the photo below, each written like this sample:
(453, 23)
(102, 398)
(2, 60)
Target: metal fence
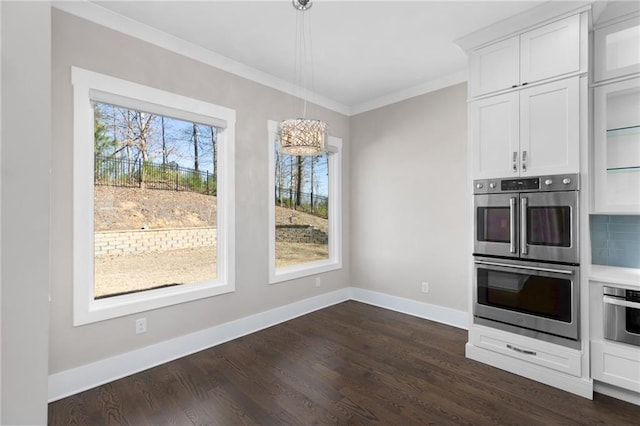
(306, 202)
(144, 174)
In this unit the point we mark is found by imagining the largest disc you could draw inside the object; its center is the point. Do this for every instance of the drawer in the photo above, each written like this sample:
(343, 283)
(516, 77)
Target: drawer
(616, 364)
(526, 349)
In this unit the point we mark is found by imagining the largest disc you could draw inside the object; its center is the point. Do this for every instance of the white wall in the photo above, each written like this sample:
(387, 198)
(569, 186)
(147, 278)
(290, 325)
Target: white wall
(26, 136)
(409, 218)
(76, 42)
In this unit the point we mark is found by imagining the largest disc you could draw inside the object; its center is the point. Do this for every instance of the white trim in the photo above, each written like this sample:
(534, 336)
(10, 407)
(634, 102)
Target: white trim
(74, 380)
(334, 262)
(441, 314)
(529, 19)
(0, 209)
(86, 86)
(78, 379)
(411, 92)
(105, 17)
(576, 385)
(616, 392)
(114, 21)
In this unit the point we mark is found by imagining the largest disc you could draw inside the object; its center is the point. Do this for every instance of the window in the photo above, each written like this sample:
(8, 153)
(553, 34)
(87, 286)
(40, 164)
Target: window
(153, 198)
(305, 211)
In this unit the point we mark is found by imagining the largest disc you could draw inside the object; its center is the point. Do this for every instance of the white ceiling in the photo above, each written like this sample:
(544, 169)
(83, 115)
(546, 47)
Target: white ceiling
(363, 51)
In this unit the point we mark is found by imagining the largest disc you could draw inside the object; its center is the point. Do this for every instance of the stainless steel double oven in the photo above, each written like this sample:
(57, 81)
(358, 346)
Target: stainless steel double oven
(526, 256)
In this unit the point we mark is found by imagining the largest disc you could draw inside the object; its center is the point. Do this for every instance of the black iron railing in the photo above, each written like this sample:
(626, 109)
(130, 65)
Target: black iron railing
(145, 174)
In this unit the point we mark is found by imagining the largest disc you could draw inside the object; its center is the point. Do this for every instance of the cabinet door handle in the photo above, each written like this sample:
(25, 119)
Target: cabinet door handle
(514, 86)
(524, 161)
(514, 161)
(524, 84)
(522, 351)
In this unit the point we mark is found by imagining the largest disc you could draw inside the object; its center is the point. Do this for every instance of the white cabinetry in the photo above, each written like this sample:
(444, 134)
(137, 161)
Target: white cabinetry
(495, 67)
(617, 147)
(526, 349)
(495, 139)
(616, 364)
(546, 52)
(617, 50)
(530, 132)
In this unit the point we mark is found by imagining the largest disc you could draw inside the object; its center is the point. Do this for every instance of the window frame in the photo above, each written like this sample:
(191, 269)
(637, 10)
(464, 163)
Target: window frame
(334, 262)
(88, 87)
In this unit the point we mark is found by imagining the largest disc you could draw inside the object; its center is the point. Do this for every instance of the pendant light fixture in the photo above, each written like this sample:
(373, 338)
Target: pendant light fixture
(302, 136)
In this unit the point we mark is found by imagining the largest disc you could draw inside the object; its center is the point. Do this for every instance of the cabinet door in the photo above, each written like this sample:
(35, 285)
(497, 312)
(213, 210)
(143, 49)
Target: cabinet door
(616, 131)
(616, 364)
(617, 50)
(494, 136)
(549, 128)
(549, 51)
(494, 67)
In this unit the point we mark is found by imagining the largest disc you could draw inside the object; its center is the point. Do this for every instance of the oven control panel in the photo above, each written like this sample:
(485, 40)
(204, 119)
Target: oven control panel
(518, 185)
(550, 183)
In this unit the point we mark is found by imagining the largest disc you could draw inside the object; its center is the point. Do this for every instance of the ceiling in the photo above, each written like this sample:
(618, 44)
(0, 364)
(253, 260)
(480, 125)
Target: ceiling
(363, 51)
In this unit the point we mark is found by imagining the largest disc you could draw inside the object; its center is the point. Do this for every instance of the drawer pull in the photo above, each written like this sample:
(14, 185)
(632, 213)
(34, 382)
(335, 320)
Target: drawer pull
(608, 300)
(522, 351)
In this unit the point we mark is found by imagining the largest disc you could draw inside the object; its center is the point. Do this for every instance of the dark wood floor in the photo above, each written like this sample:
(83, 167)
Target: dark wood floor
(347, 364)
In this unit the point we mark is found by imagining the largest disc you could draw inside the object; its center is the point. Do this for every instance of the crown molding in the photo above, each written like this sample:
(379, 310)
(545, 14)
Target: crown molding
(421, 89)
(109, 19)
(536, 16)
(610, 12)
(99, 15)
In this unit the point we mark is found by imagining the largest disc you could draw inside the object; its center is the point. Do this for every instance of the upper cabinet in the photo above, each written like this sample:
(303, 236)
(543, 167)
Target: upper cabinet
(616, 136)
(553, 50)
(616, 110)
(495, 67)
(617, 50)
(530, 132)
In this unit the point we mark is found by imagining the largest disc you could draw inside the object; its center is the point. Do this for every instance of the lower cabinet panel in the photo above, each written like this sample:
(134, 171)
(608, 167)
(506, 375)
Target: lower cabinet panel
(616, 364)
(530, 350)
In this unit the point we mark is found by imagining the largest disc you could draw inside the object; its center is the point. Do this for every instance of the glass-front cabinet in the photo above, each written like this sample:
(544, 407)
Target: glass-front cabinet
(617, 50)
(617, 147)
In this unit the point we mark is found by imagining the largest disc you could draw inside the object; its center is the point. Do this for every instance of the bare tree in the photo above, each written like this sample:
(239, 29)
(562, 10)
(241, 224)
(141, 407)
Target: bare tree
(194, 138)
(214, 151)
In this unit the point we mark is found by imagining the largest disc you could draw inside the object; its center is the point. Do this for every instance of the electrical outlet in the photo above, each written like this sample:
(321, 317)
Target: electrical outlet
(141, 325)
(318, 281)
(425, 287)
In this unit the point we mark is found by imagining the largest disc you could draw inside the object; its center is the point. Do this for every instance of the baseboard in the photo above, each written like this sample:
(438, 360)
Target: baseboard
(576, 385)
(453, 317)
(616, 392)
(72, 381)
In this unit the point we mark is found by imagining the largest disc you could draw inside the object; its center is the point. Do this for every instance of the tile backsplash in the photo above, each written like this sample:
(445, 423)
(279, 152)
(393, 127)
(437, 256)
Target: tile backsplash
(615, 240)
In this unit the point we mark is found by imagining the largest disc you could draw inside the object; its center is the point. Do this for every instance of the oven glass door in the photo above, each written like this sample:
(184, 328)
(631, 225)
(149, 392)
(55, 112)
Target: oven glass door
(536, 296)
(496, 224)
(549, 226)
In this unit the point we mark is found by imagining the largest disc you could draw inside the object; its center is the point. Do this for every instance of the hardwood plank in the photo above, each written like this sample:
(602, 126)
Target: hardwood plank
(350, 363)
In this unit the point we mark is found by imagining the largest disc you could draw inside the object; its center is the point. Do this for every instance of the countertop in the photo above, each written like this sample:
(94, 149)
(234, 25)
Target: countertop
(615, 275)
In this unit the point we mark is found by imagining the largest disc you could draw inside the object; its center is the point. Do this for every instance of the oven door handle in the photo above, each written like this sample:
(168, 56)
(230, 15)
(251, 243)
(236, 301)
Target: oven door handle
(615, 301)
(512, 225)
(527, 268)
(524, 244)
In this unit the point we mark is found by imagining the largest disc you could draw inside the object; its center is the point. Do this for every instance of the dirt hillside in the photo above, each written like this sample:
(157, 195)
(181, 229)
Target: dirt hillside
(133, 208)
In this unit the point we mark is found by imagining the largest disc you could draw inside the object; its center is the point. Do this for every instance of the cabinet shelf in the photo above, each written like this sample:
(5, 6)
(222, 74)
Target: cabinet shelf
(624, 169)
(624, 131)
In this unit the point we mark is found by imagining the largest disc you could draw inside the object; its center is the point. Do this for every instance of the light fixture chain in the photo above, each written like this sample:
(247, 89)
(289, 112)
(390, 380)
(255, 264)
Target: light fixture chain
(302, 136)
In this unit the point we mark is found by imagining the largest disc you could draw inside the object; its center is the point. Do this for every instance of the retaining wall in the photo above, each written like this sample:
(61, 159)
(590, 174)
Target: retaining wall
(301, 234)
(152, 240)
